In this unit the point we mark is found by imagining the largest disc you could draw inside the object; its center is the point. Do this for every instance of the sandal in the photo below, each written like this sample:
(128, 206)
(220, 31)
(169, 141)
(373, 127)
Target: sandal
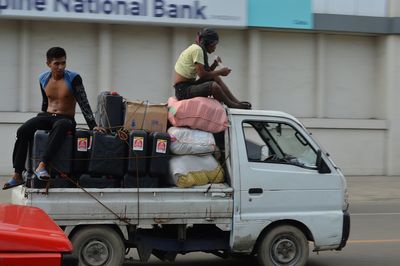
(13, 183)
(42, 175)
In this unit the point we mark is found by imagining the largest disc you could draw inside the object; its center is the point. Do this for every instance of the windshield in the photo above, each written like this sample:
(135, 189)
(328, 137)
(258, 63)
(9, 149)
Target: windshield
(277, 142)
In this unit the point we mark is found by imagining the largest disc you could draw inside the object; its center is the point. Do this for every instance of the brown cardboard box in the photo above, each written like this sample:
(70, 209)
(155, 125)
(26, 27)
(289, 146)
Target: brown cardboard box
(143, 115)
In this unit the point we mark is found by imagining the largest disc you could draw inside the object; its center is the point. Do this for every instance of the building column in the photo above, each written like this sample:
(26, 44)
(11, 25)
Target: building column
(254, 62)
(180, 40)
(320, 77)
(391, 64)
(23, 77)
(105, 58)
(393, 8)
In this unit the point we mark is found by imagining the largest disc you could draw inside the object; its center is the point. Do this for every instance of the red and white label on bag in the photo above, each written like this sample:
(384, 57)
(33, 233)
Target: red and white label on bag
(161, 146)
(138, 144)
(82, 144)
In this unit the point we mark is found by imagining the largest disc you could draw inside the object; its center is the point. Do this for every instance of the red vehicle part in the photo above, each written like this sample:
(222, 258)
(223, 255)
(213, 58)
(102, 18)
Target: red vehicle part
(28, 236)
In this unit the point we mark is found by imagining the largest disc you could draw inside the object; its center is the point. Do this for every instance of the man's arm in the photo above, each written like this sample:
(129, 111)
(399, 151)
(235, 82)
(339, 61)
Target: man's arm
(214, 65)
(216, 62)
(81, 98)
(207, 75)
(198, 55)
(45, 101)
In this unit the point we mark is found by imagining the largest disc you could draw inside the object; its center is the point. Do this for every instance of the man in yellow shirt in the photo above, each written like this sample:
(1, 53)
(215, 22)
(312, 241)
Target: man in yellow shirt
(193, 63)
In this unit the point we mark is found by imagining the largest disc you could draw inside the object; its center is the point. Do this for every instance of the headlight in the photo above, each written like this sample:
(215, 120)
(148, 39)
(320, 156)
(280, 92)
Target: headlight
(346, 200)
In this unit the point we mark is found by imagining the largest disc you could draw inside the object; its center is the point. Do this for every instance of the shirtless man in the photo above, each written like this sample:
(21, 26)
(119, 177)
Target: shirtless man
(193, 63)
(61, 90)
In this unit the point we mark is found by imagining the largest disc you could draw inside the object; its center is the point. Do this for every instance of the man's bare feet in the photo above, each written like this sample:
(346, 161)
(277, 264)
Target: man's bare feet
(17, 176)
(41, 172)
(15, 181)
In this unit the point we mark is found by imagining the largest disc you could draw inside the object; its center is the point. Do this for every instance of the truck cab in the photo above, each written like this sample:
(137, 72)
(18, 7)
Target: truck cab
(281, 192)
(288, 187)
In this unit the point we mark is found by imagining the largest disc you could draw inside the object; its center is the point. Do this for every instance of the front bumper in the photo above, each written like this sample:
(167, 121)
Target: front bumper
(345, 231)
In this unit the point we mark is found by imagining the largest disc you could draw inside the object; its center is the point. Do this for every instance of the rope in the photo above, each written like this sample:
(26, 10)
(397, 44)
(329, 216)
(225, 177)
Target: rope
(122, 219)
(131, 157)
(123, 135)
(103, 113)
(103, 110)
(139, 105)
(64, 175)
(220, 169)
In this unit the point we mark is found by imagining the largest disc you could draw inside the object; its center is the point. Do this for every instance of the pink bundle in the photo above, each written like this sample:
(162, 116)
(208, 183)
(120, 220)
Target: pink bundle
(202, 113)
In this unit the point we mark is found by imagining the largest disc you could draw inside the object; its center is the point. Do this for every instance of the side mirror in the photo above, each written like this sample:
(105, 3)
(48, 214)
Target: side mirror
(322, 167)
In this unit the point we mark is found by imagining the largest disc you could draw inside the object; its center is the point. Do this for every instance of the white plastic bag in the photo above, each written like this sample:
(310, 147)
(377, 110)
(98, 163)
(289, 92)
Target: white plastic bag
(191, 141)
(194, 170)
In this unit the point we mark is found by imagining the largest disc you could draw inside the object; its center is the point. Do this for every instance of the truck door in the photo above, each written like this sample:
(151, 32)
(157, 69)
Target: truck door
(278, 172)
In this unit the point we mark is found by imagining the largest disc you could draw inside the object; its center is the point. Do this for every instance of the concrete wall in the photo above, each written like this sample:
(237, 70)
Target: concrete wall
(344, 87)
(351, 7)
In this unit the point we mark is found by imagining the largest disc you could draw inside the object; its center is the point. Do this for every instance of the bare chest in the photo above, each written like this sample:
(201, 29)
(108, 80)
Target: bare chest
(58, 90)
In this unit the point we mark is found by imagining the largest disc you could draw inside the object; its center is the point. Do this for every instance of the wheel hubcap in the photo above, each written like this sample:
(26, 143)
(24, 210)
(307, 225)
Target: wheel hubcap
(284, 251)
(95, 253)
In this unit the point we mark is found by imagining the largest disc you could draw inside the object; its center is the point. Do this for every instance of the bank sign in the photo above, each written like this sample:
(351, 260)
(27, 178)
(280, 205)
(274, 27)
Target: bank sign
(225, 13)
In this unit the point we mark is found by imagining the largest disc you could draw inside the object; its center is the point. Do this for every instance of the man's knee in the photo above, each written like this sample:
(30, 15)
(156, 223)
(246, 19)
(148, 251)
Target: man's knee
(215, 87)
(64, 125)
(25, 130)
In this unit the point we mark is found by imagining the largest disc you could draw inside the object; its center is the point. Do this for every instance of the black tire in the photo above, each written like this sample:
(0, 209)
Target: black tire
(283, 245)
(98, 245)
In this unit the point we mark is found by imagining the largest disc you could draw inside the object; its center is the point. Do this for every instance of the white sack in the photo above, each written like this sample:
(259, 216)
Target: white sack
(191, 141)
(183, 165)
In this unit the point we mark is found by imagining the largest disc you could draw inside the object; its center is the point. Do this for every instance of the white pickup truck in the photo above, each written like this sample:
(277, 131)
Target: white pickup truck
(281, 192)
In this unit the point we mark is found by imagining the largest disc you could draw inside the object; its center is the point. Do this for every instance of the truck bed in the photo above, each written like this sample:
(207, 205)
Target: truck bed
(142, 207)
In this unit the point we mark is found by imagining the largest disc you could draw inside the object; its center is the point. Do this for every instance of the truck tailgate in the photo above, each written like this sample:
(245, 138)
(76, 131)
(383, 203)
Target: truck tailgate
(144, 206)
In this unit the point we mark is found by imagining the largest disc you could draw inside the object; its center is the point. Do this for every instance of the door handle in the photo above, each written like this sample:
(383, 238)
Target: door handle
(255, 191)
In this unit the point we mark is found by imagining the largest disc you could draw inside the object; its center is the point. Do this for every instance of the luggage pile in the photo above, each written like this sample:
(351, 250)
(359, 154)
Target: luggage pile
(138, 150)
(194, 122)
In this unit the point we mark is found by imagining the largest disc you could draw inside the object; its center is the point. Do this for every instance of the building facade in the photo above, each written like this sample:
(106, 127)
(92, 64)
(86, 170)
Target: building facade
(336, 69)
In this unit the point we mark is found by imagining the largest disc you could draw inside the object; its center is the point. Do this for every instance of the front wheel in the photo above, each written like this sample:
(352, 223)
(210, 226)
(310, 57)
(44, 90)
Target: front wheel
(98, 246)
(283, 245)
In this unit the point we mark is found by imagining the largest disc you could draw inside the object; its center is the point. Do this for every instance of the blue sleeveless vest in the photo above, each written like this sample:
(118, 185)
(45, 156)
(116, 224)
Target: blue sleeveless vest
(68, 77)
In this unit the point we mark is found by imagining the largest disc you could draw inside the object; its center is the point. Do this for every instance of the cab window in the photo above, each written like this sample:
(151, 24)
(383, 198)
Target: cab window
(277, 142)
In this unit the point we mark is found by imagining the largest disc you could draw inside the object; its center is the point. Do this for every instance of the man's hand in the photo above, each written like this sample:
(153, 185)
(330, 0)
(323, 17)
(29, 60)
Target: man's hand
(217, 60)
(225, 71)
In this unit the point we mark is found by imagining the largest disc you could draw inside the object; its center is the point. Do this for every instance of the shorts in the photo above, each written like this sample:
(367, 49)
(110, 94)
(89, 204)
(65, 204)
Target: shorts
(187, 90)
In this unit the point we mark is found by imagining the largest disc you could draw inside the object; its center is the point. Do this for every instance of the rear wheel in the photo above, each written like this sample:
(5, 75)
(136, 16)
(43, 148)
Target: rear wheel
(98, 246)
(283, 245)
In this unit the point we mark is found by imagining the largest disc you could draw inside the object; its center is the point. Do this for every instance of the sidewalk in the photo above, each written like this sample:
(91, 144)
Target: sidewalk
(361, 188)
(373, 188)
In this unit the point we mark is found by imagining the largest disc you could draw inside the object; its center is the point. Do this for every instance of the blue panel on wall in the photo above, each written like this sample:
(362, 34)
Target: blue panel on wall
(295, 14)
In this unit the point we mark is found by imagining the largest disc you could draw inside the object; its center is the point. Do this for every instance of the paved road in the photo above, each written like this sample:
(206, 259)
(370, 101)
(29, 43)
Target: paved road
(375, 234)
(374, 238)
